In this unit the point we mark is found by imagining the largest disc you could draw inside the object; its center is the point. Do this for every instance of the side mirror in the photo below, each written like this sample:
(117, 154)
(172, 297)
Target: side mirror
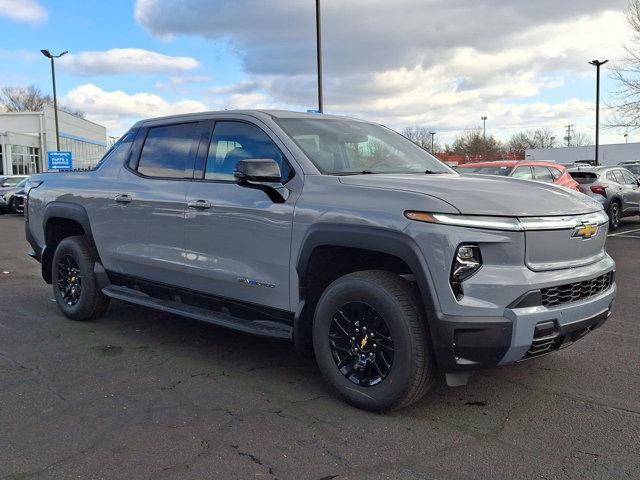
(258, 173)
(257, 170)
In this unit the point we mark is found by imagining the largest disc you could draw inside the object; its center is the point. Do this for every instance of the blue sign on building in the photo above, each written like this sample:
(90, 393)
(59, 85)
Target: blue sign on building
(60, 160)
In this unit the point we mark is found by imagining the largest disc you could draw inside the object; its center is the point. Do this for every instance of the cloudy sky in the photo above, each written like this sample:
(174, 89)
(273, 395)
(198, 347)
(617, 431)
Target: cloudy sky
(436, 63)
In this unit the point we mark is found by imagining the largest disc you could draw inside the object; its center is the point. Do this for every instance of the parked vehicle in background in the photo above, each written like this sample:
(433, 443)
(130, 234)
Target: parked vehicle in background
(616, 188)
(337, 234)
(633, 167)
(7, 194)
(7, 181)
(547, 172)
(18, 203)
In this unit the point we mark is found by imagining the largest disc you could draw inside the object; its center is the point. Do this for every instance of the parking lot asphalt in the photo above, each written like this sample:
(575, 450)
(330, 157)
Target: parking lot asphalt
(141, 394)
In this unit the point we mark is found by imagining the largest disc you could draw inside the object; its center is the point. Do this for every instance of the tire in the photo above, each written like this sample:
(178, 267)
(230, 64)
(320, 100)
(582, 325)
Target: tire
(397, 306)
(614, 215)
(12, 206)
(87, 301)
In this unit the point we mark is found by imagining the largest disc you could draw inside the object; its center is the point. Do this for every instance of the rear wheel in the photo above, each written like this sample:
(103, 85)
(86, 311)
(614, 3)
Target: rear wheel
(614, 215)
(13, 206)
(74, 284)
(370, 340)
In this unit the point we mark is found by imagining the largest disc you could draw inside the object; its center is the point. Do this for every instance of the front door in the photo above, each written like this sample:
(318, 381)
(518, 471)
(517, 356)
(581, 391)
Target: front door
(237, 240)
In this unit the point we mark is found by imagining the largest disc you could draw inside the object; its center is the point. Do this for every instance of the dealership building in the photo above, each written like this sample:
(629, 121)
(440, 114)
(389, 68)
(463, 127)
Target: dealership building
(611, 154)
(26, 137)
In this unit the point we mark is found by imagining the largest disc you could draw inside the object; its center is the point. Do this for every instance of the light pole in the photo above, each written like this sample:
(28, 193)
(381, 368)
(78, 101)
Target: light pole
(50, 56)
(433, 134)
(319, 54)
(626, 138)
(484, 127)
(597, 64)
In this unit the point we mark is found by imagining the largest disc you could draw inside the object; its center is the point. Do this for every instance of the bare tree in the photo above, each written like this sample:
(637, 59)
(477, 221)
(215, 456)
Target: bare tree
(581, 140)
(522, 141)
(626, 73)
(473, 142)
(421, 136)
(29, 99)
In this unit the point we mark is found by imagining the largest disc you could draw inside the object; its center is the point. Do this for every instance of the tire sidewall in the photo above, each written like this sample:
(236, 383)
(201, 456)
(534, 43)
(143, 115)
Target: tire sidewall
(79, 251)
(394, 386)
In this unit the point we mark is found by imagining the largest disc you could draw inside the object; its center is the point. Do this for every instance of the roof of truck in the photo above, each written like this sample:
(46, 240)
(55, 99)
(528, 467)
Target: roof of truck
(254, 113)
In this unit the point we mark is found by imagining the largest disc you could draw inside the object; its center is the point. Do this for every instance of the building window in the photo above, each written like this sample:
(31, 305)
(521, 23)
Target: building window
(24, 160)
(85, 155)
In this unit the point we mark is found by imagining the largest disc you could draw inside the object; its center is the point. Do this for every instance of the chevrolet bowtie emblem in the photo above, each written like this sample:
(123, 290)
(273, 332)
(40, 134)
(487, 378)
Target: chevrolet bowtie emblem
(585, 231)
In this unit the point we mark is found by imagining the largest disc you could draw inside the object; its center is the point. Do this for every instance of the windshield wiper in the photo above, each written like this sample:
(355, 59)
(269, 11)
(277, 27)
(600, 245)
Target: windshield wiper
(361, 172)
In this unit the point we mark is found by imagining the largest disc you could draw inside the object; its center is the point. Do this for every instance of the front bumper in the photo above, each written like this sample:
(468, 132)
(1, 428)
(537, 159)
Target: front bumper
(468, 343)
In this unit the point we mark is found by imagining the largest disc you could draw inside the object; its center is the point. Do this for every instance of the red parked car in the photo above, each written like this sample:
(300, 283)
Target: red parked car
(548, 172)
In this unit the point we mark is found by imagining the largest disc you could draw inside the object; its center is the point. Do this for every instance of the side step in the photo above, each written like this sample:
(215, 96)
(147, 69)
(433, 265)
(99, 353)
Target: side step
(256, 327)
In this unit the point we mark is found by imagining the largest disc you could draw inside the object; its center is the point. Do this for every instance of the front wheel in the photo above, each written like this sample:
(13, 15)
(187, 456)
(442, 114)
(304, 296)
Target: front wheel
(74, 284)
(614, 215)
(370, 340)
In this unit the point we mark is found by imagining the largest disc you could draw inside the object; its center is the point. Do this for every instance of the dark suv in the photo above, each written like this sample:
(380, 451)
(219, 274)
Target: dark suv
(615, 187)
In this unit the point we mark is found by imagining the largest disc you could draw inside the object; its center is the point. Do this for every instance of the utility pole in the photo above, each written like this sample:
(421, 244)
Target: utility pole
(319, 55)
(433, 134)
(597, 64)
(568, 137)
(50, 56)
(484, 127)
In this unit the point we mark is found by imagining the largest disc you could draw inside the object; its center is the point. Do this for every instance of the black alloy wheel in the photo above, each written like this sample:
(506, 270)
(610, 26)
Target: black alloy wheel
(361, 344)
(69, 280)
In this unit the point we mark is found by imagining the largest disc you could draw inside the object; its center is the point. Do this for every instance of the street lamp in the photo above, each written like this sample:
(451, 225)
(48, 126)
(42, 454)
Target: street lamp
(50, 56)
(626, 138)
(319, 55)
(433, 134)
(597, 64)
(484, 127)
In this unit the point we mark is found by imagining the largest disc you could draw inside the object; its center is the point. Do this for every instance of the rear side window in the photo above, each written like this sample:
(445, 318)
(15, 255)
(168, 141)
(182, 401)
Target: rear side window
(168, 151)
(543, 174)
(629, 179)
(235, 141)
(524, 173)
(556, 173)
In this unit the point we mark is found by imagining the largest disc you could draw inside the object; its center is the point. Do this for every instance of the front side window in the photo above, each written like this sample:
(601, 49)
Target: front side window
(543, 174)
(343, 147)
(235, 141)
(523, 173)
(120, 150)
(168, 151)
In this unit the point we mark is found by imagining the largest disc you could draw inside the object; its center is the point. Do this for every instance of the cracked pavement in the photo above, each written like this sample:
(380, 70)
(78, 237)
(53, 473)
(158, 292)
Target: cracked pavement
(145, 395)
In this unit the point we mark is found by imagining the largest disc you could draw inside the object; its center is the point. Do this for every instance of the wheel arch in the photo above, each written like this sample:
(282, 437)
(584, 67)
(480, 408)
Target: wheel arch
(389, 250)
(61, 220)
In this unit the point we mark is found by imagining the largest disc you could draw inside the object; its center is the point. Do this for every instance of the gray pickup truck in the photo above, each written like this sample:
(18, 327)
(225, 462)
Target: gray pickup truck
(335, 233)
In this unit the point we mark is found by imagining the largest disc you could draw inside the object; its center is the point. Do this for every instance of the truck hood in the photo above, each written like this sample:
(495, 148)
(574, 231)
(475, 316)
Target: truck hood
(485, 194)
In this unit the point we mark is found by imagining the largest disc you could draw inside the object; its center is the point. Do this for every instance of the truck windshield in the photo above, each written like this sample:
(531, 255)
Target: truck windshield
(350, 147)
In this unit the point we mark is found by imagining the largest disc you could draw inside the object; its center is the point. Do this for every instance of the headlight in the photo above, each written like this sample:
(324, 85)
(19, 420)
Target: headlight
(466, 261)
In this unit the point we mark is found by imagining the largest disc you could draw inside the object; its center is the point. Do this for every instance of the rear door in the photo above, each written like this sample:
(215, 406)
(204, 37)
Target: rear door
(150, 204)
(631, 190)
(237, 239)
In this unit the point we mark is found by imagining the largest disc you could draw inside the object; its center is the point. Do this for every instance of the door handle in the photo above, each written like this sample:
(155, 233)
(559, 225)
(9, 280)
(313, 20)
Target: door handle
(199, 204)
(123, 198)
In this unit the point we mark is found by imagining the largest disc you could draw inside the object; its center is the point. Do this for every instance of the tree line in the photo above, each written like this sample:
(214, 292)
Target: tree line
(474, 142)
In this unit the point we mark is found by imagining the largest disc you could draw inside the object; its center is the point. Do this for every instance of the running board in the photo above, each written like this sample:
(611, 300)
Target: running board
(257, 327)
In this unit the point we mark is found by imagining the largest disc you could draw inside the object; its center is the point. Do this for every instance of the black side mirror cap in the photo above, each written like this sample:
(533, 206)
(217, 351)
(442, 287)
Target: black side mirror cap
(257, 170)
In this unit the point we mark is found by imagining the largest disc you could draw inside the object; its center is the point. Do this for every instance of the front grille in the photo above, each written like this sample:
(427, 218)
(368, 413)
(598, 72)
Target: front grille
(573, 292)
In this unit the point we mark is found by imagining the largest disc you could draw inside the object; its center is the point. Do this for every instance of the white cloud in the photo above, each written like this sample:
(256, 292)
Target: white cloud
(125, 61)
(176, 84)
(118, 110)
(27, 11)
